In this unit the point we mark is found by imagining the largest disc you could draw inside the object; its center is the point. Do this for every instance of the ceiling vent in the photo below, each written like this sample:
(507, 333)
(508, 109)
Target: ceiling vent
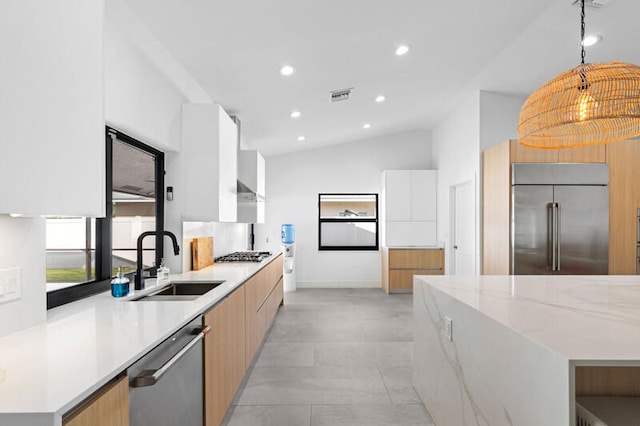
(597, 4)
(341, 95)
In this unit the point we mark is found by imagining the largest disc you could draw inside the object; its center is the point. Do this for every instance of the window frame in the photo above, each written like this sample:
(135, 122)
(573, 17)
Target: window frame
(104, 226)
(375, 220)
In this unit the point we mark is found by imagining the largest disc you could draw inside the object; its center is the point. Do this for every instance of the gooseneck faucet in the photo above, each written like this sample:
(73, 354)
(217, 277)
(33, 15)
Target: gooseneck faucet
(139, 281)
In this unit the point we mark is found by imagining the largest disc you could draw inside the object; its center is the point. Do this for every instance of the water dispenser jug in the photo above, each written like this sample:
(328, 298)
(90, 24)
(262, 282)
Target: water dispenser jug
(288, 233)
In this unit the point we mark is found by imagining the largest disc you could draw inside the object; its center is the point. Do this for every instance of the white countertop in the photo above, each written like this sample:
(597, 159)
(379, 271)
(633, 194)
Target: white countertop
(51, 367)
(587, 319)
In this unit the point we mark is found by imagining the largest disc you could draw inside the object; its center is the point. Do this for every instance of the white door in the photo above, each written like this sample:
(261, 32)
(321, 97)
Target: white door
(463, 230)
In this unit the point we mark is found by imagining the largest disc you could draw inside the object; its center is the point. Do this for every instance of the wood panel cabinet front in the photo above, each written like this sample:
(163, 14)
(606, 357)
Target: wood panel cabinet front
(624, 196)
(261, 292)
(400, 265)
(224, 354)
(109, 407)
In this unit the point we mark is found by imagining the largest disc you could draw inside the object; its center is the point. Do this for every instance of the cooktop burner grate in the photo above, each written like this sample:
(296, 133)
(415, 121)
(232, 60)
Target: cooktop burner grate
(244, 256)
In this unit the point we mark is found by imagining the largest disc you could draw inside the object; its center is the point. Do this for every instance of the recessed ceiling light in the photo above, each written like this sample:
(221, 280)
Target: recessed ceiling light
(380, 98)
(366, 125)
(590, 40)
(301, 138)
(295, 114)
(402, 49)
(287, 70)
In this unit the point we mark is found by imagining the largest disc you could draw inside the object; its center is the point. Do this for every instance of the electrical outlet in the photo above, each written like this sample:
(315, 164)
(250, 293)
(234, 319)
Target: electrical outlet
(10, 285)
(448, 328)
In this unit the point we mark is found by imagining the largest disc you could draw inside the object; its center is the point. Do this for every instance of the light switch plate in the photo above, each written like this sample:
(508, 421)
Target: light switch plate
(448, 328)
(10, 285)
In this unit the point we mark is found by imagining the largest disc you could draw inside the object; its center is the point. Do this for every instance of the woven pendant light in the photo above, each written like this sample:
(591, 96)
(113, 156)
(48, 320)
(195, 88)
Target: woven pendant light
(588, 105)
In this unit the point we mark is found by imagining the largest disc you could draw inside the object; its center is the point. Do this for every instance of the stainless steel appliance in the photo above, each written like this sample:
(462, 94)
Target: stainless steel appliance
(166, 385)
(244, 256)
(560, 219)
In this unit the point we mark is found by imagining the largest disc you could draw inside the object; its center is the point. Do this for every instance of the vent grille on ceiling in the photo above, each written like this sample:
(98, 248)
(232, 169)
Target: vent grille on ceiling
(593, 3)
(341, 95)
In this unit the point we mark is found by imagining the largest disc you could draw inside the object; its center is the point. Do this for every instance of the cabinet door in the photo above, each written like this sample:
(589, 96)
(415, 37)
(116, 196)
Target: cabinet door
(398, 195)
(423, 195)
(523, 154)
(224, 355)
(403, 279)
(417, 259)
(417, 234)
(52, 120)
(584, 154)
(209, 161)
(624, 189)
(110, 407)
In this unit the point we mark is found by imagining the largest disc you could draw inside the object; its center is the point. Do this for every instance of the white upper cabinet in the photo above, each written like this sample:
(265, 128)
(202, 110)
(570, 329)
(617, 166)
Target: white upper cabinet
(423, 195)
(51, 108)
(409, 209)
(251, 173)
(209, 163)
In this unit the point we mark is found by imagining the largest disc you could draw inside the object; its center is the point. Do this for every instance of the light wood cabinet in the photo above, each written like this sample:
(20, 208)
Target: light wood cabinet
(409, 208)
(209, 162)
(108, 407)
(52, 121)
(263, 295)
(224, 355)
(624, 198)
(400, 265)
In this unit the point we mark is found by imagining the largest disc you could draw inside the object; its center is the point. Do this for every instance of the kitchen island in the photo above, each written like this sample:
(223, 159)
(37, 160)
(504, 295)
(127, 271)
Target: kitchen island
(519, 350)
(47, 370)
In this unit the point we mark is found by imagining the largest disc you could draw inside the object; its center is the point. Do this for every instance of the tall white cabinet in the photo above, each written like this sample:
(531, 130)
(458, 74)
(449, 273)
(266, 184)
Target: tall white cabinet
(209, 163)
(52, 108)
(409, 208)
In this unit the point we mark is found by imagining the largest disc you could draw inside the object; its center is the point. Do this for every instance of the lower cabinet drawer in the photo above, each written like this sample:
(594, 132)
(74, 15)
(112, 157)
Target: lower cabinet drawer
(416, 258)
(403, 278)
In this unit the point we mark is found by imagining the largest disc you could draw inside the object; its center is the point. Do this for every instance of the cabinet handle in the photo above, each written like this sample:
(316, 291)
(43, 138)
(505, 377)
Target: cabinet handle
(151, 377)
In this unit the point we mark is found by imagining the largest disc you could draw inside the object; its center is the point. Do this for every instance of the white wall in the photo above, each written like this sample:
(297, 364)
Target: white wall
(456, 143)
(482, 120)
(22, 245)
(145, 86)
(227, 238)
(294, 182)
(498, 118)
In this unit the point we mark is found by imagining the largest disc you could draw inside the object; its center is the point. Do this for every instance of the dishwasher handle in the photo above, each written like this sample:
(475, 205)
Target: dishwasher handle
(151, 377)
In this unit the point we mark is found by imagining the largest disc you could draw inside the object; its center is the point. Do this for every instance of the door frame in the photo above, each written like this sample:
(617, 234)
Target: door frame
(452, 224)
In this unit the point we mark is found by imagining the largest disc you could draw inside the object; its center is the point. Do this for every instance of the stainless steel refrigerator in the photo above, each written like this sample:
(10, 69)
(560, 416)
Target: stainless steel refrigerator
(559, 219)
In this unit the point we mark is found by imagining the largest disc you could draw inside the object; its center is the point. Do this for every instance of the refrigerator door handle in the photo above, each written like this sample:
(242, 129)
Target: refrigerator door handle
(550, 246)
(556, 237)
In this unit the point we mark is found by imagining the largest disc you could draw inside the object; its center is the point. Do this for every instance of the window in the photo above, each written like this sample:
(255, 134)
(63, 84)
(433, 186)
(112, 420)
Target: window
(83, 254)
(348, 222)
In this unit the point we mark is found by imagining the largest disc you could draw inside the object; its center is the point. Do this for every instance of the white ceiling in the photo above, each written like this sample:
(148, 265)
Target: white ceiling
(235, 49)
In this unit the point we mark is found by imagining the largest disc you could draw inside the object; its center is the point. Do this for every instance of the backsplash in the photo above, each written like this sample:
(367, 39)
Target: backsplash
(22, 245)
(227, 238)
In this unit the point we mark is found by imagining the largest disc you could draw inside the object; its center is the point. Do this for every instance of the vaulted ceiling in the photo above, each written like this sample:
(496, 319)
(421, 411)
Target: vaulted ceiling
(235, 49)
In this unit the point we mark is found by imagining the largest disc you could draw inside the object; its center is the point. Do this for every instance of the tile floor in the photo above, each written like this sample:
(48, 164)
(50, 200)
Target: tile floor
(333, 357)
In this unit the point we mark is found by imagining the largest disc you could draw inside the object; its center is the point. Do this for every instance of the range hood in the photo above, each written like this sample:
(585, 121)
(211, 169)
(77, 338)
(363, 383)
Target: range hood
(246, 194)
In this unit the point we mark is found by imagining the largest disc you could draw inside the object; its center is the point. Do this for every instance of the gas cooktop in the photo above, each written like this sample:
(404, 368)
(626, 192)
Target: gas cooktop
(244, 256)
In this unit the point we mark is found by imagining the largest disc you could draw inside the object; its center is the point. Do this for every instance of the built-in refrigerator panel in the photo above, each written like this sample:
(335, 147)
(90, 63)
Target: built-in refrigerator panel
(583, 229)
(529, 230)
(560, 219)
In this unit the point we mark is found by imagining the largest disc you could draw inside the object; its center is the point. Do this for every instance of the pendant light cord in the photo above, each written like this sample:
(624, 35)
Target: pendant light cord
(583, 54)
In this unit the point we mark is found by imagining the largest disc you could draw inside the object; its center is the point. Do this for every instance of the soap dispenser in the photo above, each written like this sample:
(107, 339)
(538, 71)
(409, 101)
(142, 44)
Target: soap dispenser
(119, 285)
(163, 272)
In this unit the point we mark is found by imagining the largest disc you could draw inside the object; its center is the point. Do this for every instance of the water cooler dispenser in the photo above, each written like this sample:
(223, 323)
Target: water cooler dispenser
(288, 253)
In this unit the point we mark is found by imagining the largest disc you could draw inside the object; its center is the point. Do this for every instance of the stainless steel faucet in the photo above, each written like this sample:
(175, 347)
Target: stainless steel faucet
(139, 281)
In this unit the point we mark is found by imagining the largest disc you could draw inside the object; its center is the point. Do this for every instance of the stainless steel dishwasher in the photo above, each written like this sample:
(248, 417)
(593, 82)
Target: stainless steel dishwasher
(166, 385)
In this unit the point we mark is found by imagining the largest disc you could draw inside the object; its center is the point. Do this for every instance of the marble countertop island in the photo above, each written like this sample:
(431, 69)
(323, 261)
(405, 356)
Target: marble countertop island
(493, 350)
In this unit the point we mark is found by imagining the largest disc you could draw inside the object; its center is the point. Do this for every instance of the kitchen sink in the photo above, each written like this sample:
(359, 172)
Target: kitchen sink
(180, 290)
